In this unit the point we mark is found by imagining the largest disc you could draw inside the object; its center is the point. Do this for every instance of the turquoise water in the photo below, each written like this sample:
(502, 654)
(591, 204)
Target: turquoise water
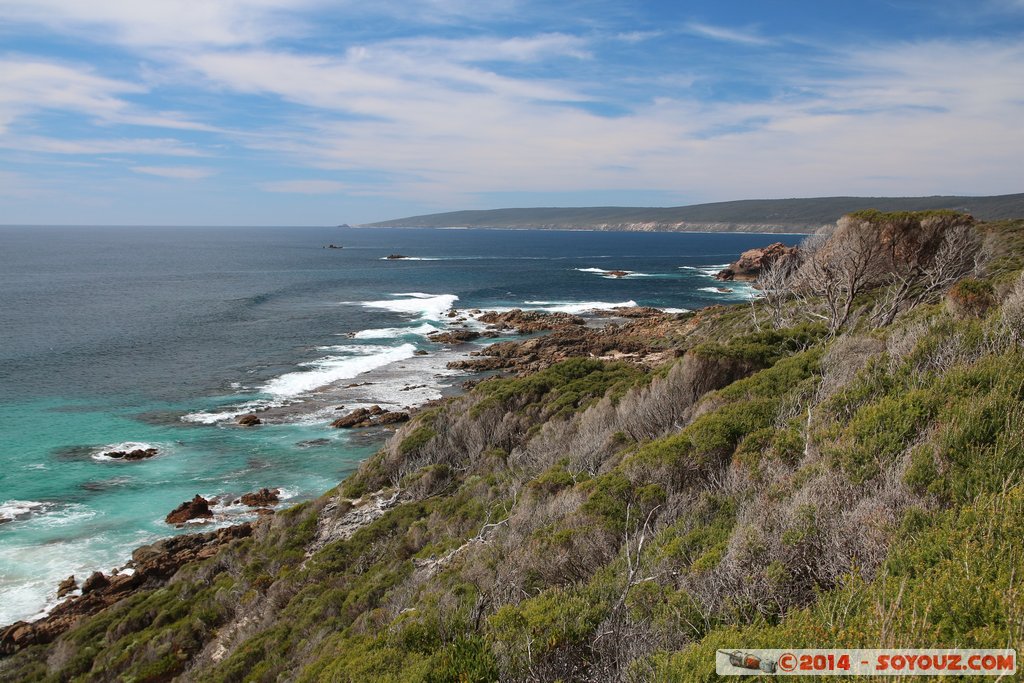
(163, 336)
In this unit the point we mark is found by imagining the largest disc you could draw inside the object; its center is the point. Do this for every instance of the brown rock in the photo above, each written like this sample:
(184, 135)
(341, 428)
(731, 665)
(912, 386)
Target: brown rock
(197, 508)
(368, 417)
(392, 417)
(454, 336)
(249, 420)
(66, 586)
(396, 257)
(262, 498)
(95, 582)
(617, 273)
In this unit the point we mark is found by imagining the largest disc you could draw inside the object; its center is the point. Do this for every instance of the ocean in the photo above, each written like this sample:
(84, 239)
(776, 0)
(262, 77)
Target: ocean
(124, 337)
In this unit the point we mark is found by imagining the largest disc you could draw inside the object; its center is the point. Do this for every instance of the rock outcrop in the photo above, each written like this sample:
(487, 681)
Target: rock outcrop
(197, 508)
(369, 417)
(630, 341)
(750, 262)
(454, 336)
(250, 420)
(528, 322)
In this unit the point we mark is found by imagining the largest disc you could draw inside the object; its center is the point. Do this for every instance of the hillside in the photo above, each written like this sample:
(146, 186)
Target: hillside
(753, 215)
(838, 464)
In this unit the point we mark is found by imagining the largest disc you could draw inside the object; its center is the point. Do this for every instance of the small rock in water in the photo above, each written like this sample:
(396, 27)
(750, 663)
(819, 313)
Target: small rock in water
(262, 498)
(136, 454)
(419, 352)
(250, 420)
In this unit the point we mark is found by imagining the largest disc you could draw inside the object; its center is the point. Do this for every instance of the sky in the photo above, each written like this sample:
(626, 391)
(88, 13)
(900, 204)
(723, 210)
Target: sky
(320, 112)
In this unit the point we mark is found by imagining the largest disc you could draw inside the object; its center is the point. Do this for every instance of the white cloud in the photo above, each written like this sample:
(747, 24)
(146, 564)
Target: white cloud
(176, 172)
(306, 186)
(942, 114)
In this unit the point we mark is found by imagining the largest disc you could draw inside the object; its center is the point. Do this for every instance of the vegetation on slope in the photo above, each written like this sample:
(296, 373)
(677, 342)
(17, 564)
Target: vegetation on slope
(811, 483)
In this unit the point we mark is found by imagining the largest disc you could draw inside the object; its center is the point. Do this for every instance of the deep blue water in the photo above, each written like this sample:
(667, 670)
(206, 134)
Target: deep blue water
(162, 335)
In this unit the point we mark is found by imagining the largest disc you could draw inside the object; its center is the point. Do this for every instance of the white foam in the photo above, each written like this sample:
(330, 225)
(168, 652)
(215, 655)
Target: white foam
(331, 369)
(410, 258)
(15, 509)
(600, 271)
(709, 270)
(394, 332)
(427, 306)
(576, 306)
(675, 310)
(206, 418)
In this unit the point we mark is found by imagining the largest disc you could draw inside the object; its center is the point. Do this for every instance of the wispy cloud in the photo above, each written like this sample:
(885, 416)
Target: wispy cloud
(306, 186)
(728, 35)
(135, 146)
(176, 172)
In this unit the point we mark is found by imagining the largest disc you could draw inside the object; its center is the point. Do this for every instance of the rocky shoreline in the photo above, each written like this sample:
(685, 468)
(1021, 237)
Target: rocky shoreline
(624, 334)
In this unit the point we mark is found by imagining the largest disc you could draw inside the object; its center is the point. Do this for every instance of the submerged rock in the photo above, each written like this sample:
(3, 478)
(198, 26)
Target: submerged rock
(197, 508)
(395, 257)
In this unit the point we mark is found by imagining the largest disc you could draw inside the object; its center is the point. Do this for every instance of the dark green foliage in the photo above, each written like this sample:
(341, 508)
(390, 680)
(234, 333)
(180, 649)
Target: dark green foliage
(416, 439)
(762, 349)
(561, 389)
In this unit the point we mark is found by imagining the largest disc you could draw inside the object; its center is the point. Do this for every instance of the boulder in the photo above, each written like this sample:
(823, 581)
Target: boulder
(95, 582)
(262, 498)
(249, 420)
(197, 508)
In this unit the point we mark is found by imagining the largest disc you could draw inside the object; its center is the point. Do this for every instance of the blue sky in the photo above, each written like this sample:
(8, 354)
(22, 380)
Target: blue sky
(304, 112)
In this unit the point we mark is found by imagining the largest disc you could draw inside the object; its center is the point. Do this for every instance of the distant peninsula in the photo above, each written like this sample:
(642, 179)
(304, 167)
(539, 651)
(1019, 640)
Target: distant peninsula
(749, 215)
